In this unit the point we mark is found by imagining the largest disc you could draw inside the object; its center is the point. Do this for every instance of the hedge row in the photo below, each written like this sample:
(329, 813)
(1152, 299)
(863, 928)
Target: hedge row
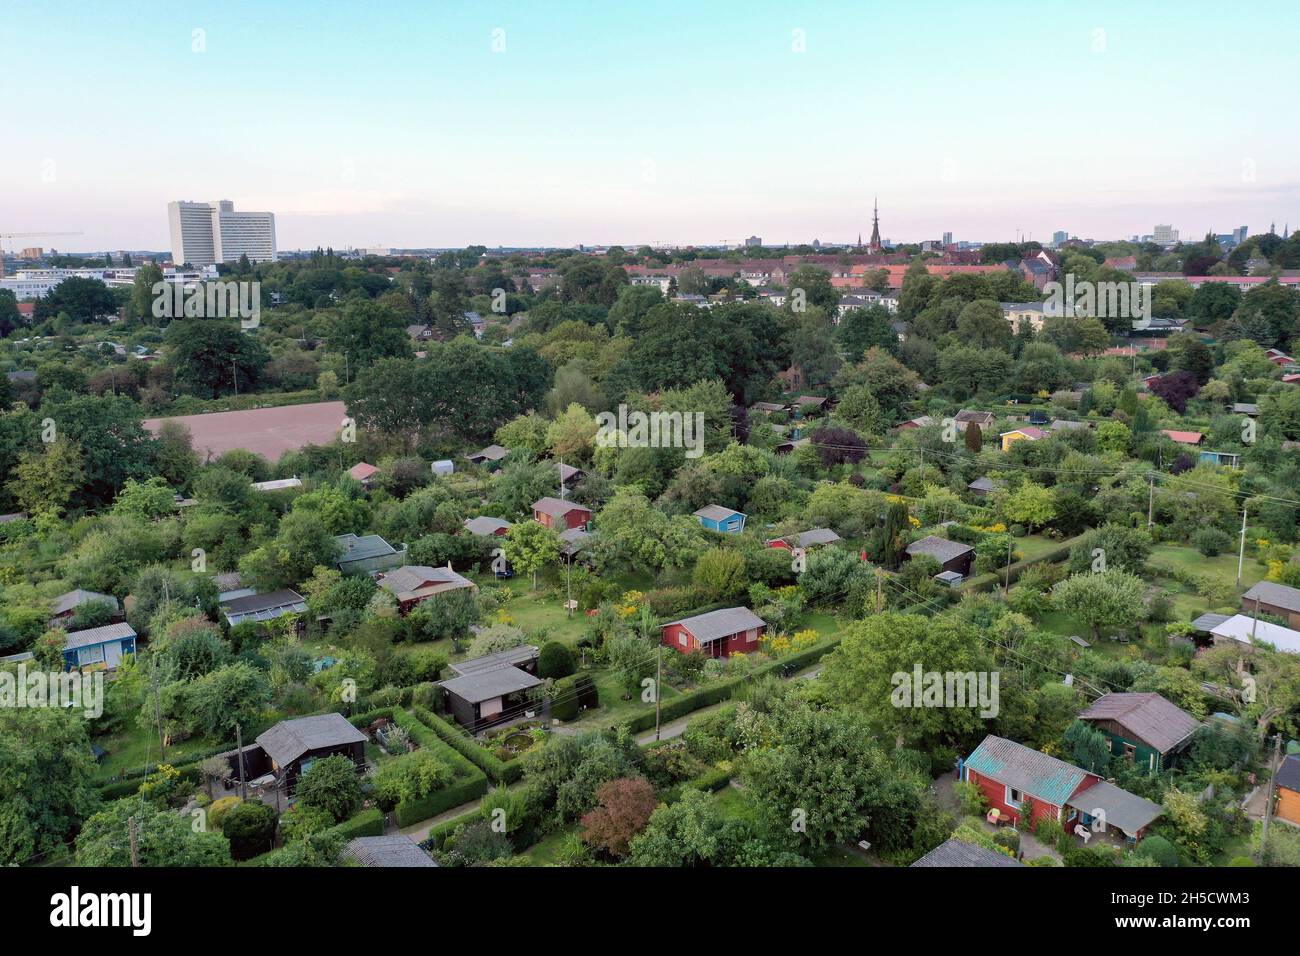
(498, 771)
(369, 822)
(468, 783)
(117, 789)
(710, 781)
(685, 704)
(994, 580)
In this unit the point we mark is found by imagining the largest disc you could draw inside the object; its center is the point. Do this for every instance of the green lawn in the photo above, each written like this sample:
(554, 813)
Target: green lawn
(546, 851)
(138, 748)
(1223, 565)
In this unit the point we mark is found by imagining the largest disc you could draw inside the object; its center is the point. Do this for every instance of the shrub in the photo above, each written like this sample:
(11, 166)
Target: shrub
(624, 809)
(1159, 850)
(973, 801)
(250, 828)
(217, 812)
(555, 661)
(410, 777)
(332, 785)
(1048, 831)
(571, 694)
(1211, 542)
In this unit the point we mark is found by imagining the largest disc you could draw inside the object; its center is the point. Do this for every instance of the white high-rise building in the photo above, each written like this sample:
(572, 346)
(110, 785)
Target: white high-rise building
(204, 233)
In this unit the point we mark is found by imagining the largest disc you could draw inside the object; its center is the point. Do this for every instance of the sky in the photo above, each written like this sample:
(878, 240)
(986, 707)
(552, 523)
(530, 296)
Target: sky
(448, 123)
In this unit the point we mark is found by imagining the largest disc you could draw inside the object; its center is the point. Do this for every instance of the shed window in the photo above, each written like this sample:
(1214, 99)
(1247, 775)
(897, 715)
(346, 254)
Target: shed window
(1130, 752)
(681, 638)
(1014, 797)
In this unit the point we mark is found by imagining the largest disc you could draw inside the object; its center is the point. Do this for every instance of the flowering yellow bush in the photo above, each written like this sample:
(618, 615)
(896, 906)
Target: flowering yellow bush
(504, 617)
(803, 639)
(998, 528)
(776, 645)
(914, 522)
(630, 603)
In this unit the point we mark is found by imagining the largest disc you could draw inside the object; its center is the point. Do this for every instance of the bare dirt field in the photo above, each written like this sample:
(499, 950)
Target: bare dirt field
(269, 432)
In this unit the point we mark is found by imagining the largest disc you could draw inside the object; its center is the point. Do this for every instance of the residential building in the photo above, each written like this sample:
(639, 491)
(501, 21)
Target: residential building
(1017, 312)
(719, 633)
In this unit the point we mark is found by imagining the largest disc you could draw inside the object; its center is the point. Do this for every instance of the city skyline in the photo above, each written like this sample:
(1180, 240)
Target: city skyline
(485, 124)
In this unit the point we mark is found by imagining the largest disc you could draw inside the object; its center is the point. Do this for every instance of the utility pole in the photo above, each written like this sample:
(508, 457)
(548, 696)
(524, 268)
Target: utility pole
(1254, 625)
(1151, 499)
(234, 376)
(659, 659)
(157, 711)
(239, 742)
(1268, 807)
(879, 593)
(1241, 549)
(1006, 587)
(135, 847)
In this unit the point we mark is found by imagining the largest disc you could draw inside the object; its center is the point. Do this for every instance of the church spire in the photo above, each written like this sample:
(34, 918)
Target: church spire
(875, 245)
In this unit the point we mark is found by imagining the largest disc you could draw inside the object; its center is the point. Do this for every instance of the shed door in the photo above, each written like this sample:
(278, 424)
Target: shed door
(113, 654)
(489, 708)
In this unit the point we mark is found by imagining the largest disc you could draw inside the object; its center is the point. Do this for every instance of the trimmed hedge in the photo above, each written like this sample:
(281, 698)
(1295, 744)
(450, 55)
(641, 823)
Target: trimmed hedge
(685, 704)
(710, 781)
(469, 782)
(995, 579)
(498, 771)
(369, 822)
(439, 832)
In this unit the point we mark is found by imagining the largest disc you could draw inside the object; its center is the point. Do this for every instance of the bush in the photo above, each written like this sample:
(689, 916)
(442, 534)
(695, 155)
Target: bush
(1211, 542)
(332, 785)
(250, 828)
(555, 661)
(217, 812)
(1159, 850)
(1048, 831)
(571, 694)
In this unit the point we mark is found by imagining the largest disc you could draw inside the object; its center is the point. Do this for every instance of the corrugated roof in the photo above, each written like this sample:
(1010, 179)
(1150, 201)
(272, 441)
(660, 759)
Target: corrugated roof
(1121, 809)
(272, 602)
(939, 548)
(290, 739)
(722, 623)
(1149, 718)
(557, 507)
(360, 548)
(1029, 771)
(98, 635)
(391, 851)
(74, 599)
(507, 658)
(817, 536)
(1241, 627)
(490, 453)
(716, 513)
(958, 853)
(410, 578)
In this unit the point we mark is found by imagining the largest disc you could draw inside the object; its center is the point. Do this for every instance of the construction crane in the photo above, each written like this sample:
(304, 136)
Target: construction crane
(35, 235)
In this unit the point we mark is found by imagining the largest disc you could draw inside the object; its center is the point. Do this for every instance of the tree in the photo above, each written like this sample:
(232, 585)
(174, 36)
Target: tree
(45, 482)
(211, 357)
(1088, 747)
(688, 833)
(836, 446)
(1123, 548)
(624, 809)
(1176, 389)
(974, 438)
(1114, 436)
(332, 785)
(721, 572)
(301, 543)
(235, 694)
(1111, 598)
(555, 661)
(45, 780)
(633, 533)
(572, 436)
(982, 325)
(888, 543)
(1030, 504)
(860, 409)
(163, 838)
(531, 547)
(862, 329)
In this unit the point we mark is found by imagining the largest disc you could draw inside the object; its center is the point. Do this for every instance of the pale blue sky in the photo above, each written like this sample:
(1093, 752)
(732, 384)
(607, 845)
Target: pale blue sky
(397, 124)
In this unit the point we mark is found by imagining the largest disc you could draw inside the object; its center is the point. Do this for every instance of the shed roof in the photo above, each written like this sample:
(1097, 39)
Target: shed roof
(1241, 627)
(490, 453)
(940, 548)
(721, 623)
(507, 658)
(360, 548)
(1030, 771)
(958, 853)
(1121, 809)
(1148, 717)
(98, 635)
(485, 525)
(1288, 775)
(392, 850)
(478, 686)
(716, 513)
(263, 607)
(74, 599)
(1270, 592)
(557, 507)
(290, 739)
